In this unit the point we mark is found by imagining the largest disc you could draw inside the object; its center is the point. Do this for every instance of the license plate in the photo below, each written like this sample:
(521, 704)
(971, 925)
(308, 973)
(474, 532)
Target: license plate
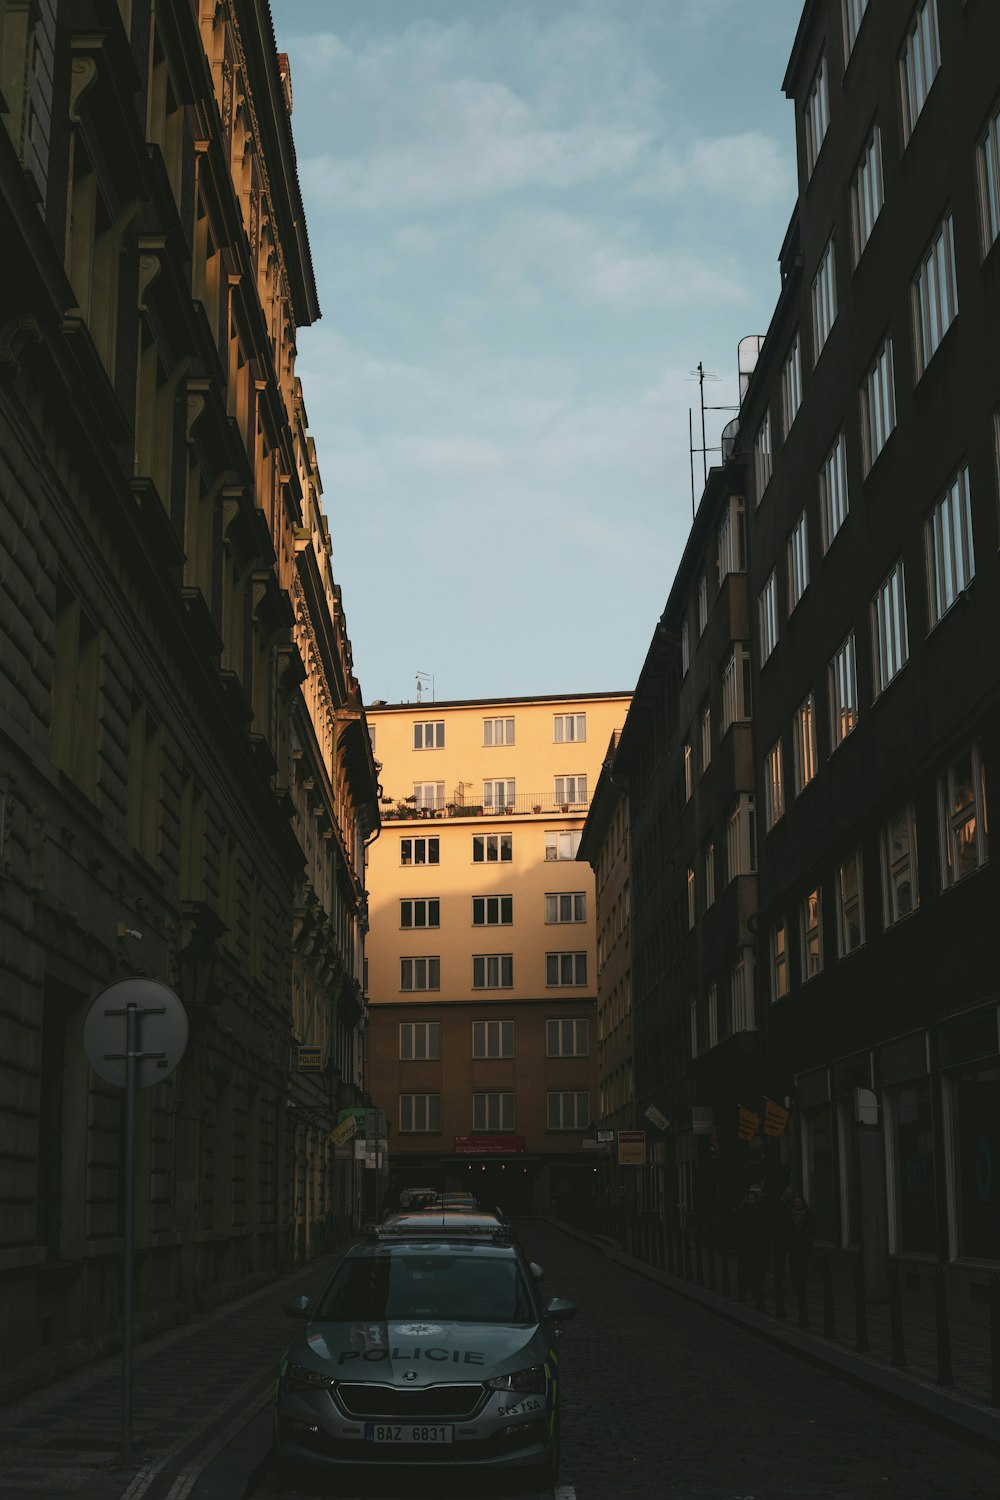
(392, 1432)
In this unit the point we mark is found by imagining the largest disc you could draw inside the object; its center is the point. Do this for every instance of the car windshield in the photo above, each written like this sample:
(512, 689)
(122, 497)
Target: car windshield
(453, 1288)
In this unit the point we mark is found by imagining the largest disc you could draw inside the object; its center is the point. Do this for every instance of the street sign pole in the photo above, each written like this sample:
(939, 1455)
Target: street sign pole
(166, 1035)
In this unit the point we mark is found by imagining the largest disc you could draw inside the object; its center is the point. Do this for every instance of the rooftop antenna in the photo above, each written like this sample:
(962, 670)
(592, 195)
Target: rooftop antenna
(422, 680)
(701, 374)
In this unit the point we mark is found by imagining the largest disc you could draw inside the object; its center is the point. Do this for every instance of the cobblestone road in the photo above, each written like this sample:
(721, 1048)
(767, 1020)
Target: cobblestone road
(661, 1398)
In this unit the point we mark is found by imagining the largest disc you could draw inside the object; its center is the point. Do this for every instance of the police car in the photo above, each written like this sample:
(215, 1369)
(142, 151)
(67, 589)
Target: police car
(430, 1345)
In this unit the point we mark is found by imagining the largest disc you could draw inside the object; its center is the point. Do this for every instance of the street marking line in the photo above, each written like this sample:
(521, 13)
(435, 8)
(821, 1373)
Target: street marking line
(148, 1473)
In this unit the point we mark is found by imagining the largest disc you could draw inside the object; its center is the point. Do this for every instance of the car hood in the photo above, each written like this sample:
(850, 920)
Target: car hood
(428, 1352)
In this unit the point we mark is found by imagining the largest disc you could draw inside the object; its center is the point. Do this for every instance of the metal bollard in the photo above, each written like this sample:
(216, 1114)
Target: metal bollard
(711, 1264)
(943, 1332)
(741, 1277)
(898, 1356)
(726, 1289)
(779, 1284)
(860, 1308)
(829, 1322)
(699, 1267)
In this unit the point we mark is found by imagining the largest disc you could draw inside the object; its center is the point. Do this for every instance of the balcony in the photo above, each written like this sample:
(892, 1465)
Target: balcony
(470, 804)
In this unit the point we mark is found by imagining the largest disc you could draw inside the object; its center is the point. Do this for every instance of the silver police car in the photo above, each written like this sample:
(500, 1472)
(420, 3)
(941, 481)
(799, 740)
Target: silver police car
(429, 1346)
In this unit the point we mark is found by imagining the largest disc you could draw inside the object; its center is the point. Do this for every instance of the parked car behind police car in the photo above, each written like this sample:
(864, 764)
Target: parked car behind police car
(430, 1345)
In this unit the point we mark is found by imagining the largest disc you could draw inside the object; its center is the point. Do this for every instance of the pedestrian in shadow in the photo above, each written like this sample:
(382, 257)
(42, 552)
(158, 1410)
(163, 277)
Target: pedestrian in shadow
(750, 1235)
(783, 1238)
(804, 1229)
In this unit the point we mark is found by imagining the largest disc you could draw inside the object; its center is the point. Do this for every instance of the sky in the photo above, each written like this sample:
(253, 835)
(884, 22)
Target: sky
(529, 220)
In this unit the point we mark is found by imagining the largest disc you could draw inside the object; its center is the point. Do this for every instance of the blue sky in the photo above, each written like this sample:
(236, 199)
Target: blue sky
(529, 220)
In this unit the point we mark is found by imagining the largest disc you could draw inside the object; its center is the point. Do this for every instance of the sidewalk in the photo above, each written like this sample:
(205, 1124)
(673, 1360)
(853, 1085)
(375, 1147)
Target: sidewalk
(962, 1407)
(195, 1391)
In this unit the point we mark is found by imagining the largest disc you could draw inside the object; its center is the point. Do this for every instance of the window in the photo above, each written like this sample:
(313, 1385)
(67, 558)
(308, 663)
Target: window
(989, 181)
(498, 796)
(429, 794)
(429, 735)
(919, 62)
(420, 973)
(900, 894)
(798, 562)
(962, 812)
(425, 912)
(812, 935)
(867, 193)
(565, 968)
(762, 456)
(741, 1009)
(833, 499)
(688, 772)
(702, 603)
(419, 1112)
(492, 971)
(850, 910)
(779, 962)
(492, 911)
(817, 116)
(419, 851)
(709, 875)
(741, 838)
(791, 386)
(804, 744)
(419, 1040)
(493, 1038)
(935, 295)
(569, 728)
(76, 693)
(568, 1111)
(145, 767)
(774, 793)
(685, 645)
(705, 737)
(492, 848)
(712, 1015)
(824, 300)
(493, 1112)
(498, 732)
(570, 1038)
(562, 845)
(570, 789)
(843, 692)
(732, 544)
(566, 906)
(890, 647)
(951, 563)
(691, 907)
(736, 687)
(878, 405)
(767, 617)
(854, 11)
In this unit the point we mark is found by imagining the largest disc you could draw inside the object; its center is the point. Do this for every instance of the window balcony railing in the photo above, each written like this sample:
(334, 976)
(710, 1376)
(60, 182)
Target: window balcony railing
(471, 804)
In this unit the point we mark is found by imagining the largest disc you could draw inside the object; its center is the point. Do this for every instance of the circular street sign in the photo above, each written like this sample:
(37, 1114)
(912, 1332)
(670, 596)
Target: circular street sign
(161, 1031)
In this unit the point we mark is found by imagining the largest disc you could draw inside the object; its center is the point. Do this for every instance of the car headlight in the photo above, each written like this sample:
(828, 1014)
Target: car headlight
(529, 1382)
(301, 1378)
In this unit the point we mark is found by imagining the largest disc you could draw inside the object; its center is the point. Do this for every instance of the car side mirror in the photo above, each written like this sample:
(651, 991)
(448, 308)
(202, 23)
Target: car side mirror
(558, 1309)
(298, 1308)
(536, 1270)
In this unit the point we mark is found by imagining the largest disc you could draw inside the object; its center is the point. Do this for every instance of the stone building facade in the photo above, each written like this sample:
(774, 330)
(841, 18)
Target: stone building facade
(186, 780)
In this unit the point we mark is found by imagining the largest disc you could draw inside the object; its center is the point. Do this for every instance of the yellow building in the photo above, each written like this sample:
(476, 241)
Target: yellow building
(481, 950)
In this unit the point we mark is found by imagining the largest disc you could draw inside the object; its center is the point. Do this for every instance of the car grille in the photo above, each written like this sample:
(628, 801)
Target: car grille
(458, 1402)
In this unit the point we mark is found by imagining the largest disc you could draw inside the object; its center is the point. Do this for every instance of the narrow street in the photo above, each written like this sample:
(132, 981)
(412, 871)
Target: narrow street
(661, 1398)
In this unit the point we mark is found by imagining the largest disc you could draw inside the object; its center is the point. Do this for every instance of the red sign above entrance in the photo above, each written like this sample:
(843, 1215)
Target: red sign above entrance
(489, 1145)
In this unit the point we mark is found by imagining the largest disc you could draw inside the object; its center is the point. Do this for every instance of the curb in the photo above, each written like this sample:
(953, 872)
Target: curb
(974, 1422)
